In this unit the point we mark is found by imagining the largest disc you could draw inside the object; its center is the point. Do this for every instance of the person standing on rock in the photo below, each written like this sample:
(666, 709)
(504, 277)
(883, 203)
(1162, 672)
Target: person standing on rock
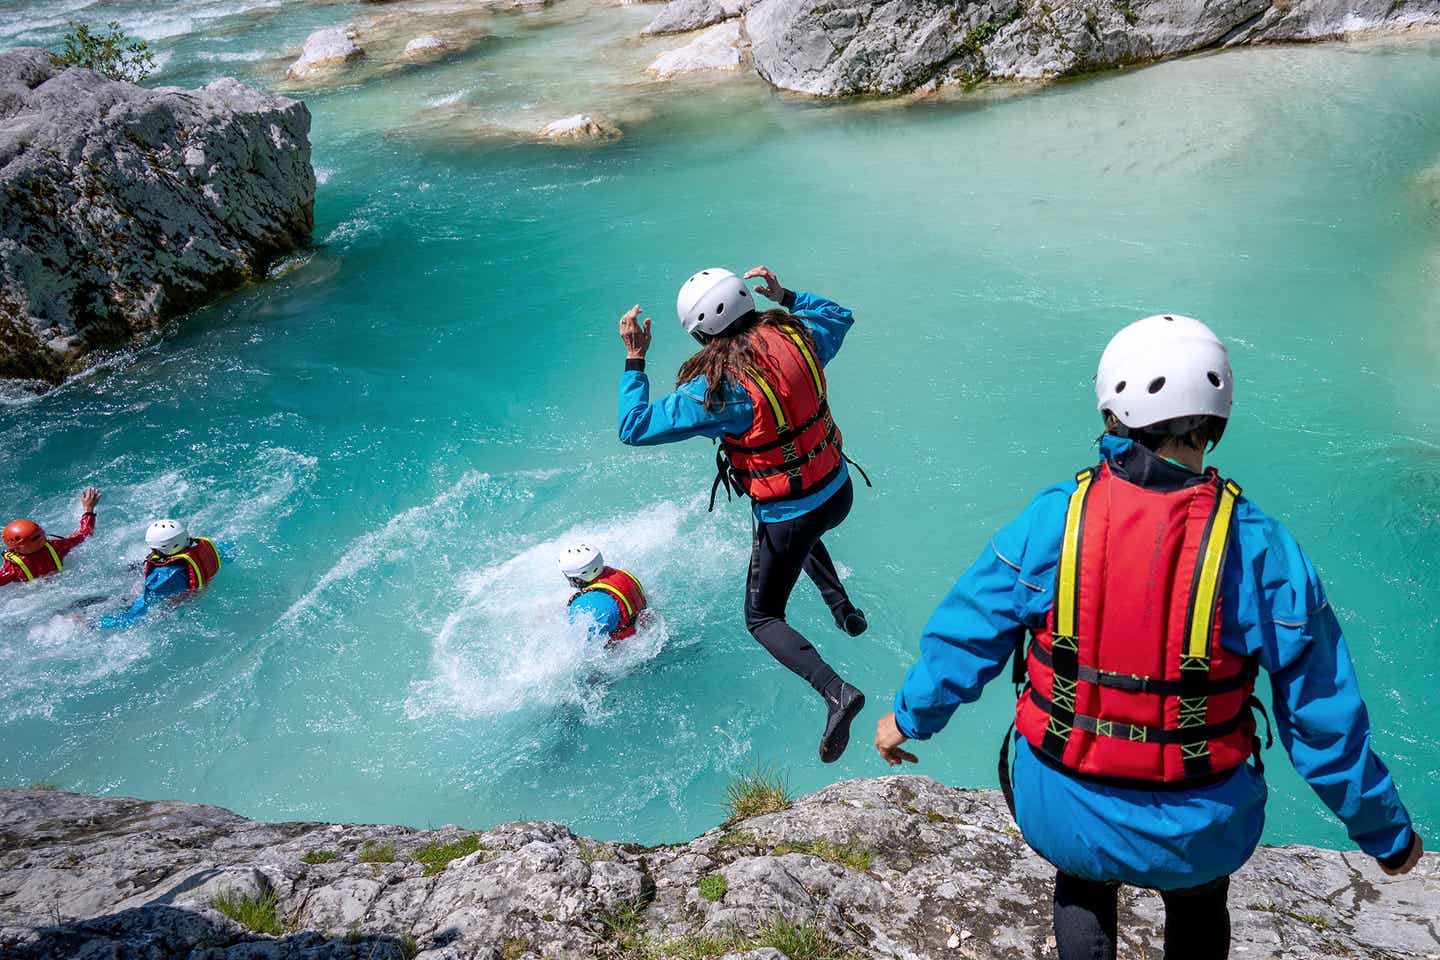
(1153, 593)
(757, 386)
(178, 565)
(29, 554)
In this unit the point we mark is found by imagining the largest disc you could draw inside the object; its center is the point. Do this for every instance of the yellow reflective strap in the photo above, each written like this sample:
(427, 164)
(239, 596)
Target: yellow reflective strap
(218, 562)
(620, 597)
(20, 564)
(199, 577)
(809, 362)
(54, 556)
(769, 396)
(1202, 612)
(1068, 572)
(635, 580)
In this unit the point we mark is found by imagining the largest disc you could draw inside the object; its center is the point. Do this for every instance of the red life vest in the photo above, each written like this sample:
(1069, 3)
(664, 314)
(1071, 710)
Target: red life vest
(627, 592)
(793, 447)
(201, 560)
(1128, 680)
(41, 563)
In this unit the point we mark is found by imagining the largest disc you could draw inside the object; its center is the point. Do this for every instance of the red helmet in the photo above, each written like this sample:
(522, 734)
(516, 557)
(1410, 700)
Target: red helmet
(24, 537)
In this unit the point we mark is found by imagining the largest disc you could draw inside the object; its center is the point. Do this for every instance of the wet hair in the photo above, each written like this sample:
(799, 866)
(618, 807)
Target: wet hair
(725, 356)
(1197, 433)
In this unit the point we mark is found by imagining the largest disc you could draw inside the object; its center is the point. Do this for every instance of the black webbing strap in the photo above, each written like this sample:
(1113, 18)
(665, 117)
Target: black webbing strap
(1136, 733)
(1138, 684)
(1007, 784)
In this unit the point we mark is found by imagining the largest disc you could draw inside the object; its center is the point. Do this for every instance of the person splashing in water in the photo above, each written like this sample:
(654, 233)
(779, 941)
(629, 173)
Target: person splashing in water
(610, 598)
(1153, 593)
(178, 565)
(757, 385)
(30, 555)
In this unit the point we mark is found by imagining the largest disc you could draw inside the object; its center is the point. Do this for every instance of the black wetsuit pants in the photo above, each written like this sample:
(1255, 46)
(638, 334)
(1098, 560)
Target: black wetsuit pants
(778, 553)
(1197, 920)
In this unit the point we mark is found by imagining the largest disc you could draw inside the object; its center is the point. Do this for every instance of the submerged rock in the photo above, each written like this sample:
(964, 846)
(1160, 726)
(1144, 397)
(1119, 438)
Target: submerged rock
(891, 46)
(425, 47)
(888, 868)
(722, 47)
(682, 16)
(122, 206)
(325, 50)
(581, 126)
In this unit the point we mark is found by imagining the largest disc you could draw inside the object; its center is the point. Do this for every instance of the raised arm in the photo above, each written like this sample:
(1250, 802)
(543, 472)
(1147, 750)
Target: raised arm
(827, 320)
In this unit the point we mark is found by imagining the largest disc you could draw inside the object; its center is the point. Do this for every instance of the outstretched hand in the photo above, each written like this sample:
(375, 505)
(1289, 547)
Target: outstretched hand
(89, 497)
(1417, 850)
(770, 289)
(888, 739)
(635, 334)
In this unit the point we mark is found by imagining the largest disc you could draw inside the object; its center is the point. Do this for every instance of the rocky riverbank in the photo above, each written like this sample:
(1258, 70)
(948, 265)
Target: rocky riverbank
(897, 867)
(123, 206)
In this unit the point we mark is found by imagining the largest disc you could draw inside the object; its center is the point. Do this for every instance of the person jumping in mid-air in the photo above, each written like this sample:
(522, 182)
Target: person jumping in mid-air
(757, 386)
(30, 555)
(178, 564)
(1153, 593)
(610, 598)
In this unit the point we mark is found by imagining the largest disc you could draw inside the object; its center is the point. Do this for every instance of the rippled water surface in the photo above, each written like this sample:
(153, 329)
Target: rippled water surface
(398, 430)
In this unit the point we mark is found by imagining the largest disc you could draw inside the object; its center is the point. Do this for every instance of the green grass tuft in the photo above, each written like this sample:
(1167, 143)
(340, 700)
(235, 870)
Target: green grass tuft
(256, 913)
(436, 855)
(319, 856)
(596, 852)
(408, 947)
(736, 838)
(846, 854)
(802, 940)
(713, 886)
(513, 948)
(757, 792)
(371, 852)
(44, 785)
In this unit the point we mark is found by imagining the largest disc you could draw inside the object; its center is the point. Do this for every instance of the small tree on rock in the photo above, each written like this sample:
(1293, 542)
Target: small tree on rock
(112, 53)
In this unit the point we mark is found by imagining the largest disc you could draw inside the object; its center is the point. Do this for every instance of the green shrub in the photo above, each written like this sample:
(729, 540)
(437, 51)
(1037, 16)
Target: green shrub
(436, 855)
(319, 856)
(759, 791)
(114, 54)
(372, 852)
(256, 913)
(713, 887)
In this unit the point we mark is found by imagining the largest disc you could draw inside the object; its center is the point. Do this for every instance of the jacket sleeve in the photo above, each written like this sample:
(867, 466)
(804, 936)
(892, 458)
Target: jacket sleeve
(160, 585)
(63, 545)
(598, 607)
(675, 417)
(977, 626)
(828, 322)
(1320, 715)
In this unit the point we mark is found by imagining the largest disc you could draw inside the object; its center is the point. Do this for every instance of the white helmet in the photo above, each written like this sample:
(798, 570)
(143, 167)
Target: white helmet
(581, 562)
(167, 537)
(1162, 368)
(711, 300)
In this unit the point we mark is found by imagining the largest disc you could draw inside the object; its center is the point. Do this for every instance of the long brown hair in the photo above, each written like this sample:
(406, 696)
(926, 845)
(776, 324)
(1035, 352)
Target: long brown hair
(726, 356)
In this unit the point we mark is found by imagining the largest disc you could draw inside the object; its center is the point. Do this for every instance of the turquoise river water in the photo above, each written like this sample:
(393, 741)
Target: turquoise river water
(399, 428)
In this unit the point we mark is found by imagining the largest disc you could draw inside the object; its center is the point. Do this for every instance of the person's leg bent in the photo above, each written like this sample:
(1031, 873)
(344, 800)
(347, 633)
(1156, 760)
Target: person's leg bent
(1085, 918)
(1197, 922)
(777, 556)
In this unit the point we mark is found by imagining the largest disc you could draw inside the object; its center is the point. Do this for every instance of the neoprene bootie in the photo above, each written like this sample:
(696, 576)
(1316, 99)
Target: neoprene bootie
(843, 702)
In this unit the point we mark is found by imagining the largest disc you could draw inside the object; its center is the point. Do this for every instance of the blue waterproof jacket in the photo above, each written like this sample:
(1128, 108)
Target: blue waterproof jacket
(599, 608)
(1272, 608)
(163, 583)
(683, 414)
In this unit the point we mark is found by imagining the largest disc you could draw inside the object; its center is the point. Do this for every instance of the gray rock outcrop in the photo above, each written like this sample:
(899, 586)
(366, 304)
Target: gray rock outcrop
(892, 46)
(123, 206)
(682, 16)
(325, 51)
(898, 867)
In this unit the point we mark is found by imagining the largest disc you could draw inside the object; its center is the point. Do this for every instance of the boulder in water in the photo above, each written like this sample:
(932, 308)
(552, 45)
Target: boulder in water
(854, 47)
(682, 16)
(422, 47)
(581, 126)
(325, 50)
(123, 206)
(722, 47)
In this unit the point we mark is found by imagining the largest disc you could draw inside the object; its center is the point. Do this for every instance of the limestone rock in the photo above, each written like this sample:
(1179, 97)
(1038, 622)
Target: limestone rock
(682, 16)
(891, 46)
(892, 867)
(123, 206)
(422, 47)
(722, 47)
(581, 126)
(325, 50)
